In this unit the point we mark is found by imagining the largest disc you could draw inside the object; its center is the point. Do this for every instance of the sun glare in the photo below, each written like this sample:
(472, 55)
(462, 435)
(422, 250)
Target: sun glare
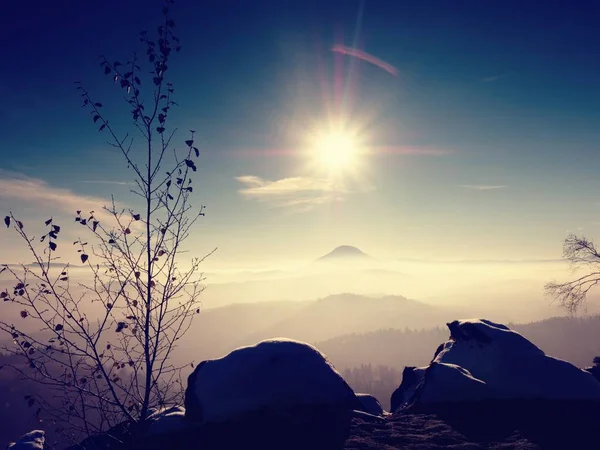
(336, 150)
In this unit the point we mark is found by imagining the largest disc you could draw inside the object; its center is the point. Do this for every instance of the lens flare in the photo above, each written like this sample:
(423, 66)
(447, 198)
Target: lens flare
(342, 49)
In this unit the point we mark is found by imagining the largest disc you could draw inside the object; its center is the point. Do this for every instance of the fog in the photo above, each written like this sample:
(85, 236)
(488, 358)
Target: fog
(343, 293)
(371, 317)
(506, 291)
(512, 289)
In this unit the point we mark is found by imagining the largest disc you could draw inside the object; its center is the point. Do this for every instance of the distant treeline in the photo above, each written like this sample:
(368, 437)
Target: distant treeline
(379, 381)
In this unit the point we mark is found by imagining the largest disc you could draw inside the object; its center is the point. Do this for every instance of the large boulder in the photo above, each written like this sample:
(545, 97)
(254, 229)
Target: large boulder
(276, 374)
(440, 383)
(166, 421)
(278, 393)
(34, 440)
(412, 377)
(371, 405)
(483, 360)
(595, 369)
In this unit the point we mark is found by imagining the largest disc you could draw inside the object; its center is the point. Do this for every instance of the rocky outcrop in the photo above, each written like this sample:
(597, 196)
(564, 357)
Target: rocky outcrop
(411, 380)
(166, 420)
(34, 440)
(370, 404)
(283, 394)
(274, 375)
(486, 361)
(595, 369)
(286, 393)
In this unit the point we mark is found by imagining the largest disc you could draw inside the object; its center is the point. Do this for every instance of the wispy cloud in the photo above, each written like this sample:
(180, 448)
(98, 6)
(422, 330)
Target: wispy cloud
(119, 183)
(483, 187)
(16, 189)
(481, 261)
(413, 151)
(493, 78)
(299, 194)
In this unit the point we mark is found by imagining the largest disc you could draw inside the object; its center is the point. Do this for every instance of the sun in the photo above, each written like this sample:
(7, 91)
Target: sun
(336, 150)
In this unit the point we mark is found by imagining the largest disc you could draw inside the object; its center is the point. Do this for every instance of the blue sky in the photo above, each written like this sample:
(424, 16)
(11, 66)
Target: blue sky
(493, 119)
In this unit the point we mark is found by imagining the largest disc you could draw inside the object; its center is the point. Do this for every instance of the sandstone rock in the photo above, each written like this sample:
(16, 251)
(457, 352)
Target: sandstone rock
(34, 440)
(274, 375)
(483, 360)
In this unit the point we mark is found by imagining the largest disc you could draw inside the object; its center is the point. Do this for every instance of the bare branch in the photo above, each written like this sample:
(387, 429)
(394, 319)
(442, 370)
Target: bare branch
(581, 253)
(112, 365)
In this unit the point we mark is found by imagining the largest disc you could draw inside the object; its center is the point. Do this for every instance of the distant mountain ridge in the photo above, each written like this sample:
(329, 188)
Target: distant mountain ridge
(221, 330)
(345, 252)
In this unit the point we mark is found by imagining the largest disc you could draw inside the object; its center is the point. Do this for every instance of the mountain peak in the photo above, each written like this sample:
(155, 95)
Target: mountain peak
(345, 251)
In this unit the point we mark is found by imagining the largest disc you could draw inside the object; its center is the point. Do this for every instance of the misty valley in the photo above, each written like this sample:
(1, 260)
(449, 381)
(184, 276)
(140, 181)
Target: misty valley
(299, 225)
(369, 340)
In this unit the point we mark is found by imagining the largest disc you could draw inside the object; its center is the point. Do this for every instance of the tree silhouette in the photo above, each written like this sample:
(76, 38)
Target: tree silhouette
(581, 254)
(114, 367)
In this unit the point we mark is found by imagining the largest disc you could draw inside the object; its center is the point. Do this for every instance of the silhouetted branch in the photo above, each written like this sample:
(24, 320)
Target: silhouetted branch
(572, 295)
(115, 367)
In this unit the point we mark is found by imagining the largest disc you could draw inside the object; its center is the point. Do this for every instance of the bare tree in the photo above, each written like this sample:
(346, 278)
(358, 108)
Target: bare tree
(581, 254)
(102, 347)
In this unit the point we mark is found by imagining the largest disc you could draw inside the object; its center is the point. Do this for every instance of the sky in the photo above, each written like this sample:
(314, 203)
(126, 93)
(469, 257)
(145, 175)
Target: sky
(481, 143)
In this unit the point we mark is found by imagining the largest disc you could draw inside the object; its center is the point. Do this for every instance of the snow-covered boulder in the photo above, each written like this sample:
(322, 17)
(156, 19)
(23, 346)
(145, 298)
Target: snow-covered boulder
(34, 440)
(595, 369)
(166, 420)
(274, 375)
(440, 383)
(370, 404)
(512, 365)
(412, 377)
(484, 360)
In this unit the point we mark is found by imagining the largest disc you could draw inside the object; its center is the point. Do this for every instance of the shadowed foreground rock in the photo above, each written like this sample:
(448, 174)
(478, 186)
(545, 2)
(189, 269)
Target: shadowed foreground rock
(304, 428)
(309, 428)
(34, 440)
(277, 394)
(549, 424)
(277, 375)
(483, 361)
(487, 383)
(423, 432)
(370, 404)
(285, 395)
(509, 426)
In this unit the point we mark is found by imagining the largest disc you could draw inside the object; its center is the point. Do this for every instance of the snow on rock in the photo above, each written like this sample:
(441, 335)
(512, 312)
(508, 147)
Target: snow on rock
(412, 377)
(166, 420)
(484, 360)
(595, 371)
(273, 375)
(370, 404)
(34, 440)
(438, 383)
(512, 365)
(451, 383)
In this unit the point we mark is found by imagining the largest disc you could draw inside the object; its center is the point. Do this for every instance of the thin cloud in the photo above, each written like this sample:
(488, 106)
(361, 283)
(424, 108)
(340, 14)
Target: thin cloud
(483, 187)
(493, 78)
(119, 183)
(365, 57)
(300, 194)
(257, 186)
(413, 151)
(34, 191)
(481, 261)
